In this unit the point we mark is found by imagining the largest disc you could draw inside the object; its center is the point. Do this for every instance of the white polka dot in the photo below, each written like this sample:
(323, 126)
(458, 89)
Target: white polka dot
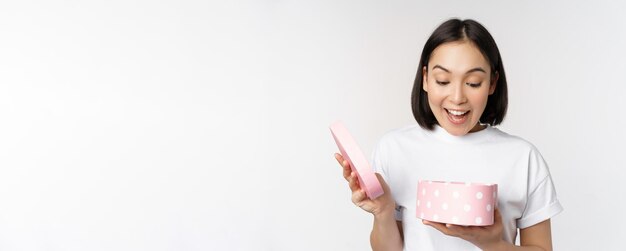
(428, 204)
(479, 220)
(447, 183)
(436, 193)
(422, 215)
(435, 217)
(444, 206)
(430, 182)
(424, 191)
(418, 203)
(455, 194)
(488, 207)
(467, 207)
(455, 219)
(479, 195)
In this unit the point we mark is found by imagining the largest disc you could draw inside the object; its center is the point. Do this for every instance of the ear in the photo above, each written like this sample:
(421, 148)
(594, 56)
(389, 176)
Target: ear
(494, 82)
(424, 79)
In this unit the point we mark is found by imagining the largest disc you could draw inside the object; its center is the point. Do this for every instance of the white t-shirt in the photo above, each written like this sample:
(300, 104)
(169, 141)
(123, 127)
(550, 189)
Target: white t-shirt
(526, 194)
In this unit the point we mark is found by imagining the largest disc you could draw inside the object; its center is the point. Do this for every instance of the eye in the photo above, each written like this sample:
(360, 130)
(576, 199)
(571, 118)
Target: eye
(442, 82)
(474, 85)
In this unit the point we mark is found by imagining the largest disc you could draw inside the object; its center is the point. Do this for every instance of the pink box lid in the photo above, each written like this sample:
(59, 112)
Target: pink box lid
(358, 163)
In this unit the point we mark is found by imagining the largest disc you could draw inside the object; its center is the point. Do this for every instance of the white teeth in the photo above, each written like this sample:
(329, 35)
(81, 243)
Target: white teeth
(457, 113)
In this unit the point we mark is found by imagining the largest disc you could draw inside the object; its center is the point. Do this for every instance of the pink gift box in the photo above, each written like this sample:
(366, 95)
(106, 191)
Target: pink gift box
(460, 203)
(358, 163)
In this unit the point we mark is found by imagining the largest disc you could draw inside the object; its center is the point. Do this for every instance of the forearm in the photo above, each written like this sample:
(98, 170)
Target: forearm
(506, 246)
(385, 234)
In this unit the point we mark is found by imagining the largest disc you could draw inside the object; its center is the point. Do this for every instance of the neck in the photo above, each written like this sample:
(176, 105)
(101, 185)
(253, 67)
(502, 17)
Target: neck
(478, 127)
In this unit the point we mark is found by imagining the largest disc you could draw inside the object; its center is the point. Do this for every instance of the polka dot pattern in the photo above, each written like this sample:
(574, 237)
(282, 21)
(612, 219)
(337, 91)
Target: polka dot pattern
(467, 208)
(461, 203)
(479, 195)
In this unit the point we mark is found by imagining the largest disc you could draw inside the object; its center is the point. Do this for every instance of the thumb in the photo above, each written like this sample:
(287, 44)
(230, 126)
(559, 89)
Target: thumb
(497, 217)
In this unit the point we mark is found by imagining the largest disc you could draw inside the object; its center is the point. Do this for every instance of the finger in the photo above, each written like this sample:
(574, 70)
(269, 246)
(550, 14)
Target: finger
(358, 197)
(346, 168)
(339, 158)
(344, 164)
(353, 182)
(457, 230)
(367, 205)
(439, 226)
(497, 218)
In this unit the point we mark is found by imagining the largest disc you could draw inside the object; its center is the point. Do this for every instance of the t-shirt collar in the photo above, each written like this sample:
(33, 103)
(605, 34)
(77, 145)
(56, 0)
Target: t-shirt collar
(473, 137)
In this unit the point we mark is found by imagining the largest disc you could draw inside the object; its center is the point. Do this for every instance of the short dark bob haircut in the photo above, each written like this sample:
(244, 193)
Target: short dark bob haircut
(455, 30)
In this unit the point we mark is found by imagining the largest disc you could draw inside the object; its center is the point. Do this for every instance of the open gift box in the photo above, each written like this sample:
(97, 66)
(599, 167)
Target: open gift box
(460, 203)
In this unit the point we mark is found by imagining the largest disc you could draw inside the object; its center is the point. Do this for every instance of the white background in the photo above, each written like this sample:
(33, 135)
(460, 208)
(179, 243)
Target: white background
(187, 125)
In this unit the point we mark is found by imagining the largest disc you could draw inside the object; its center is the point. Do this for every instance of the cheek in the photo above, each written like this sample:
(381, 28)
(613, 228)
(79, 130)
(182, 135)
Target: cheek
(479, 100)
(435, 97)
(435, 102)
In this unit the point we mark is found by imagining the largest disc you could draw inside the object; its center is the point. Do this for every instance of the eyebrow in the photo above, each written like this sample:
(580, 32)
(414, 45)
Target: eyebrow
(470, 71)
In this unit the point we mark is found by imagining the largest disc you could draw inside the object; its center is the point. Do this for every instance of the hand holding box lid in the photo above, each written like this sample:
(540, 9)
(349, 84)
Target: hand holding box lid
(358, 163)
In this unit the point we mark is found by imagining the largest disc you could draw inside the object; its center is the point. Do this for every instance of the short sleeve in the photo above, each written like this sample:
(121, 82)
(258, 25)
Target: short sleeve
(379, 162)
(542, 203)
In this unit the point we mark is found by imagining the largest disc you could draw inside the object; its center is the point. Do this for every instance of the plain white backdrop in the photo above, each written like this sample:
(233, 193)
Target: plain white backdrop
(194, 125)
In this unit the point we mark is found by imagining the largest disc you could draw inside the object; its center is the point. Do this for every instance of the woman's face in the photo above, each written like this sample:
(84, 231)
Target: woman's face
(457, 80)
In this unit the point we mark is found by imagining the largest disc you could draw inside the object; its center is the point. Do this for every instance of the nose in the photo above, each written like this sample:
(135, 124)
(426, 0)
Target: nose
(458, 94)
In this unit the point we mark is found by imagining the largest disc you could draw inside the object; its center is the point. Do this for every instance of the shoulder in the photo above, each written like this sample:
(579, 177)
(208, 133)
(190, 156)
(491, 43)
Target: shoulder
(523, 152)
(513, 141)
(403, 131)
(402, 134)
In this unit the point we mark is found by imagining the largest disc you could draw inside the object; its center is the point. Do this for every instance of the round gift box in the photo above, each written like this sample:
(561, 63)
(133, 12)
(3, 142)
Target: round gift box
(460, 203)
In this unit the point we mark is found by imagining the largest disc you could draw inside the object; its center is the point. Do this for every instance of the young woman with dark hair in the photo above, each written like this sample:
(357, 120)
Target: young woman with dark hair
(459, 95)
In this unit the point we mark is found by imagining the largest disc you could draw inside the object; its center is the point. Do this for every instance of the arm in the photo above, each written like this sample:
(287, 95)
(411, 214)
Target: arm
(386, 233)
(534, 238)
(537, 237)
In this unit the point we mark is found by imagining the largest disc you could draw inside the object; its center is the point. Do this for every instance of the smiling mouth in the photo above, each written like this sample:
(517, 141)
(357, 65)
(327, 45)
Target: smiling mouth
(457, 116)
